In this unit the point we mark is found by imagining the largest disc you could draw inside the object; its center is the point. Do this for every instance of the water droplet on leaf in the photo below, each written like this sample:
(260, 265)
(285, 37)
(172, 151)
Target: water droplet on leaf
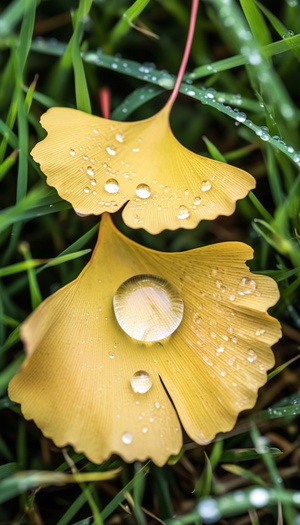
(143, 191)
(110, 151)
(127, 438)
(247, 286)
(141, 382)
(120, 137)
(111, 186)
(90, 171)
(251, 356)
(206, 185)
(148, 308)
(183, 213)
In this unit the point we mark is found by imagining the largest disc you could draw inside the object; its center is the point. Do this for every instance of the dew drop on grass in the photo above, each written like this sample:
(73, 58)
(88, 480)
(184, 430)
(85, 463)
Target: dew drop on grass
(127, 438)
(143, 191)
(111, 186)
(148, 308)
(259, 497)
(141, 382)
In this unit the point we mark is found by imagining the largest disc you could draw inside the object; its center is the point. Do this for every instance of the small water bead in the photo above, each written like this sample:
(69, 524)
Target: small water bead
(127, 438)
(251, 356)
(241, 117)
(120, 137)
(246, 286)
(145, 430)
(183, 213)
(197, 201)
(143, 191)
(141, 382)
(112, 186)
(206, 185)
(90, 171)
(110, 151)
(72, 152)
(148, 308)
(86, 190)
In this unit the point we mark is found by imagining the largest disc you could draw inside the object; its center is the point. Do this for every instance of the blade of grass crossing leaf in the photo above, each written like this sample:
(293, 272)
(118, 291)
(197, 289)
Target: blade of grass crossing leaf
(28, 19)
(282, 367)
(35, 292)
(73, 509)
(244, 473)
(11, 16)
(162, 493)
(273, 473)
(275, 48)
(279, 27)
(81, 90)
(12, 339)
(23, 481)
(8, 373)
(119, 498)
(274, 177)
(6, 128)
(7, 164)
(213, 150)
(2, 323)
(127, 19)
(135, 100)
(138, 495)
(256, 22)
(260, 208)
(4, 450)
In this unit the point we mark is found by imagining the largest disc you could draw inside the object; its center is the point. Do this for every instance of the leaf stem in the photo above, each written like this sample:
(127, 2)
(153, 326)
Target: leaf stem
(188, 45)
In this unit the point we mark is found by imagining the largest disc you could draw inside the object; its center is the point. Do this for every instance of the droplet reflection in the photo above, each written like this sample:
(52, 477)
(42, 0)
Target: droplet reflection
(143, 191)
(148, 308)
(141, 382)
(111, 186)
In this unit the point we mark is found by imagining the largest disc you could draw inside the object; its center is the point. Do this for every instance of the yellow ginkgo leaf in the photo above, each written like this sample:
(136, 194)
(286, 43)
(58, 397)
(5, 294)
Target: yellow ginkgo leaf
(99, 165)
(143, 340)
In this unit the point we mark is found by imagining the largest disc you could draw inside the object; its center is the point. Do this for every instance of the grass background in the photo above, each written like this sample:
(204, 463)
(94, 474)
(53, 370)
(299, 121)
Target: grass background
(239, 103)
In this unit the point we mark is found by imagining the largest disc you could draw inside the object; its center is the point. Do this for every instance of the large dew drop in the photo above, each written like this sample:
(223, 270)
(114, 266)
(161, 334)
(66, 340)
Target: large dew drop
(148, 308)
(111, 186)
(141, 382)
(143, 191)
